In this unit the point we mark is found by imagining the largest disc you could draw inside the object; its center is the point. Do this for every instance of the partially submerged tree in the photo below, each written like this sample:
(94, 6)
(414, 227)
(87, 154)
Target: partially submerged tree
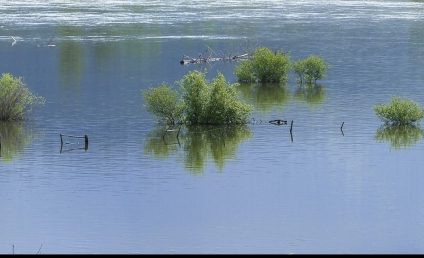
(202, 102)
(196, 93)
(399, 111)
(310, 69)
(264, 66)
(15, 98)
(164, 103)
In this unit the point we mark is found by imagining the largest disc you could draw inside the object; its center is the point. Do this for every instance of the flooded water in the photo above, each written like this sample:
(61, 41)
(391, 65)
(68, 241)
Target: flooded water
(251, 189)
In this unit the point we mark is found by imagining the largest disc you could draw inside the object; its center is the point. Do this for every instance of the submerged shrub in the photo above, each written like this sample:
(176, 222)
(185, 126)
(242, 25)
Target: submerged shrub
(244, 72)
(15, 98)
(195, 95)
(202, 102)
(164, 103)
(399, 111)
(224, 106)
(310, 69)
(212, 103)
(264, 66)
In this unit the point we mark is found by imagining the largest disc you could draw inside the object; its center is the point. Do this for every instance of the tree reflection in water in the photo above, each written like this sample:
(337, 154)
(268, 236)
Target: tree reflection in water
(399, 136)
(199, 144)
(265, 97)
(314, 95)
(14, 138)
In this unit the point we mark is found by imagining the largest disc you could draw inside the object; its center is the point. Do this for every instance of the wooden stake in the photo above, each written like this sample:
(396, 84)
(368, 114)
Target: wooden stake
(86, 142)
(291, 129)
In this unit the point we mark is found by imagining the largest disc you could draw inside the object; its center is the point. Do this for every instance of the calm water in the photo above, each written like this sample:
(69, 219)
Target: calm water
(249, 189)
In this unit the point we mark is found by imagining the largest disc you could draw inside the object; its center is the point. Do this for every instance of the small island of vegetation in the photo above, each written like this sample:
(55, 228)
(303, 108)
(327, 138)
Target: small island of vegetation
(264, 66)
(399, 111)
(200, 103)
(310, 69)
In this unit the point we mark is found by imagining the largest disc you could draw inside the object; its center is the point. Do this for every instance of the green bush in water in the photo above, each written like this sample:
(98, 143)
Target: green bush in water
(164, 103)
(310, 69)
(212, 103)
(202, 102)
(223, 106)
(195, 95)
(264, 66)
(399, 112)
(15, 98)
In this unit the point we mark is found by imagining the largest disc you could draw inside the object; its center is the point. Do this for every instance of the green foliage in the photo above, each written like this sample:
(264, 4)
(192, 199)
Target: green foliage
(244, 72)
(224, 106)
(399, 136)
(196, 96)
(15, 98)
(164, 103)
(264, 66)
(299, 69)
(212, 103)
(311, 69)
(202, 102)
(399, 111)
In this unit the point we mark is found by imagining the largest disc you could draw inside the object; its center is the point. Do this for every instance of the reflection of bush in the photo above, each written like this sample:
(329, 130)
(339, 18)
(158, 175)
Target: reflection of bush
(14, 138)
(199, 144)
(399, 136)
(312, 94)
(267, 96)
(159, 144)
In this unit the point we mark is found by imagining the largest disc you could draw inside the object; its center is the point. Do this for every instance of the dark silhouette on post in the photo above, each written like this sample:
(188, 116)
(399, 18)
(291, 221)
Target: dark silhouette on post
(278, 122)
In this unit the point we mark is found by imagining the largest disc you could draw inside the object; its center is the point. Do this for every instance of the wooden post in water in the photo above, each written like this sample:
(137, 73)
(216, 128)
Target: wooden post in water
(86, 142)
(291, 129)
(341, 128)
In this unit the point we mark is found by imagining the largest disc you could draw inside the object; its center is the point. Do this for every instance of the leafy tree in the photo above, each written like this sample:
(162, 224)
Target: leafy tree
(311, 69)
(315, 67)
(264, 66)
(15, 98)
(202, 102)
(224, 106)
(195, 95)
(164, 103)
(399, 111)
